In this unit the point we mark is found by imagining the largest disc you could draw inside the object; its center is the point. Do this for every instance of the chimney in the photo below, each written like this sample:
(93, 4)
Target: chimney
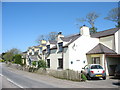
(59, 35)
(84, 30)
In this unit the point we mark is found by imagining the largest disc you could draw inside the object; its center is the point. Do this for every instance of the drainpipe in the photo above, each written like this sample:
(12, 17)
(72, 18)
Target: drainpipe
(63, 56)
(105, 62)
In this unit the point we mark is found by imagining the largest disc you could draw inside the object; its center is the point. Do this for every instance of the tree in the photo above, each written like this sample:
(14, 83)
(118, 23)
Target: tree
(18, 59)
(40, 38)
(15, 51)
(114, 16)
(2, 55)
(90, 18)
(9, 55)
(50, 36)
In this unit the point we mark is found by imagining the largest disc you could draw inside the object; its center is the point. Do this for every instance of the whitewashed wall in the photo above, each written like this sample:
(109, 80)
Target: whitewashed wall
(78, 50)
(117, 41)
(108, 41)
(66, 59)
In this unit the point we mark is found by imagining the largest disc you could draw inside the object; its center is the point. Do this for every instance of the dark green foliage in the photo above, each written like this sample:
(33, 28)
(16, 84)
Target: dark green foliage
(8, 56)
(34, 63)
(42, 64)
(118, 25)
(90, 18)
(18, 59)
(83, 77)
(32, 69)
(93, 30)
(1, 60)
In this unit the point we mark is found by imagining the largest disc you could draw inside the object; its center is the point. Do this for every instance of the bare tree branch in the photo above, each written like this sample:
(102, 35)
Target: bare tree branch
(114, 15)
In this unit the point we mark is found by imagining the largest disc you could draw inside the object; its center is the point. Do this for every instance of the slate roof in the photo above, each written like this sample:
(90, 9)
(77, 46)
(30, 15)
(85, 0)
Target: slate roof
(101, 49)
(52, 42)
(54, 47)
(105, 33)
(70, 39)
(24, 52)
(33, 58)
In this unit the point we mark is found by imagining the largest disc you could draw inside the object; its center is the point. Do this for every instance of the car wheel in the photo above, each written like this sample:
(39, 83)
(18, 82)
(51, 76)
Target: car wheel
(88, 77)
(104, 78)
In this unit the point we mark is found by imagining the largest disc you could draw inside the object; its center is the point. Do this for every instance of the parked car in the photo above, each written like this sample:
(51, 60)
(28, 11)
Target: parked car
(94, 70)
(117, 71)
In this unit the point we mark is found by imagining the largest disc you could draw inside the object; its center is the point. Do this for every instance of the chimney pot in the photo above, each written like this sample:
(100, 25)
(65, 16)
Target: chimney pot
(84, 25)
(59, 33)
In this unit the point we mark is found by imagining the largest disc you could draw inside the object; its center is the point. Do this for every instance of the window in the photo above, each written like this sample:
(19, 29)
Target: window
(96, 60)
(30, 53)
(40, 50)
(36, 53)
(32, 50)
(96, 67)
(48, 48)
(60, 45)
(86, 67)
(60, 63)
(48, 63)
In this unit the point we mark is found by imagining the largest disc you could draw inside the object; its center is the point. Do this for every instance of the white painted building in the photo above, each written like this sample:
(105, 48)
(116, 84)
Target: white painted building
(75, 51)
(34, 53)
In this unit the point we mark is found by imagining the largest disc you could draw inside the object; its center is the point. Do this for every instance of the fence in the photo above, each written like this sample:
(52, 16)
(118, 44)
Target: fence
(66, 74)
(62, 74)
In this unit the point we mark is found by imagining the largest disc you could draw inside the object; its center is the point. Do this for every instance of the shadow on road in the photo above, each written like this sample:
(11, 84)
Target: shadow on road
(116, 83)
(116, 78)
(95, 79)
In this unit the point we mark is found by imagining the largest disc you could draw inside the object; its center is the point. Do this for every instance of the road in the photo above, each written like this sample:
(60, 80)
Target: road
(13, 78)
(22, 81)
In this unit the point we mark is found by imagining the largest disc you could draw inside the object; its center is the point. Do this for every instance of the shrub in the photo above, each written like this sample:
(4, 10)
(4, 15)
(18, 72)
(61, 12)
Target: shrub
(83, 77)
(42, 64)
(18, 59)
(1, 60)
(34, 63)
(32, 69)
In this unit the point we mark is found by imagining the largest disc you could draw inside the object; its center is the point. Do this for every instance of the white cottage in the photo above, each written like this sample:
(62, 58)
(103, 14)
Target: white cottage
(34, 53)
(75, 51)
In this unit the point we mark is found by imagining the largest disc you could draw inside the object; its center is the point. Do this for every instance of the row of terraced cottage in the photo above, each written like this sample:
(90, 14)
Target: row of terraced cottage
(75, 51)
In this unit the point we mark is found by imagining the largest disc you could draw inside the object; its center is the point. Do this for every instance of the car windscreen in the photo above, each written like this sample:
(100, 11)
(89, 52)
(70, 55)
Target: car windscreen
(96, 67)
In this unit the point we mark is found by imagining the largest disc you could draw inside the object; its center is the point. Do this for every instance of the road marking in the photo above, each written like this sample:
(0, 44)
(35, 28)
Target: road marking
(14, 83)
(1, 74)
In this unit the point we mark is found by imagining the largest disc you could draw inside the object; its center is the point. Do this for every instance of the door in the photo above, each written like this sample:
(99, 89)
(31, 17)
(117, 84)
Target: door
(60, 63)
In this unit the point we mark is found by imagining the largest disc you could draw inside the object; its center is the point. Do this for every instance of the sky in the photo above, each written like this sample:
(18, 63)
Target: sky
(24, 22)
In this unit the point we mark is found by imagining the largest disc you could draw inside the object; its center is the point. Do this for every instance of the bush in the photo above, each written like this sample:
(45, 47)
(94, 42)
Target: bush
(34, 63)
(42, 64)
(32, 69)
(18, 59)
(83, 77)
(1, 60)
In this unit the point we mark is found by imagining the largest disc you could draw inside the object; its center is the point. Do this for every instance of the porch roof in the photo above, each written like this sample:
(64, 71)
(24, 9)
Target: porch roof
(101, 49)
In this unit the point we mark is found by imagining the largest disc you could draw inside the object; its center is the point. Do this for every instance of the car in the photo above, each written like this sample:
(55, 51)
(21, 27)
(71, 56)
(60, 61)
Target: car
(117, 71)
(94, 71)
